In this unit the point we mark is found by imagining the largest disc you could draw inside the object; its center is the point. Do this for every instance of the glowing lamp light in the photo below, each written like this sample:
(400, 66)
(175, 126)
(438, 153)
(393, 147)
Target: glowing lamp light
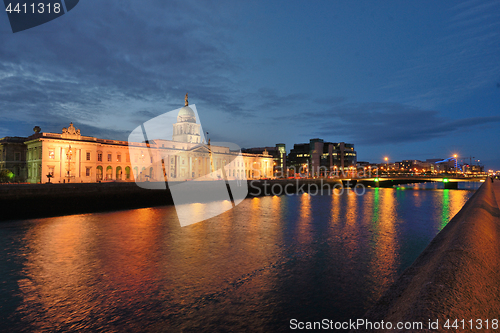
(376, 180)
(446, 180)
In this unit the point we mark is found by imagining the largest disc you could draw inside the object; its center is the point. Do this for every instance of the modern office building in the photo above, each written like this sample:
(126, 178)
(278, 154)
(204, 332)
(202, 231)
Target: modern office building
(317, 158)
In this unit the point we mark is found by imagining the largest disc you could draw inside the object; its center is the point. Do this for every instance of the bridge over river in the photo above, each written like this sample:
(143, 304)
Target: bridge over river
(449, 182)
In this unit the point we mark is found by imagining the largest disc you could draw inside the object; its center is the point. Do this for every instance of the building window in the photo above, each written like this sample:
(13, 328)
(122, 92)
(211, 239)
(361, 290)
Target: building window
(110, 158)
(17, 156)
(87, 171)
(118, 158)
(99, 173)
(51, 171)
(88, 156)
(109, 172)
(99, 156)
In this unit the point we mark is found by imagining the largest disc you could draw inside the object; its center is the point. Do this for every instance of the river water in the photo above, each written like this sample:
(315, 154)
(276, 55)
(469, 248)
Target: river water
(253, 268)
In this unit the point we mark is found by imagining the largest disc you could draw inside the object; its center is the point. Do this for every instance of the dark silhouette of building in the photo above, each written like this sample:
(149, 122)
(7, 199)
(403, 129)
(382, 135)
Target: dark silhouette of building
(13, 157)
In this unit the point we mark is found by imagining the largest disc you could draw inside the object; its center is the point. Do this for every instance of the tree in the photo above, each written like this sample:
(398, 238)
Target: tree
(6, 176)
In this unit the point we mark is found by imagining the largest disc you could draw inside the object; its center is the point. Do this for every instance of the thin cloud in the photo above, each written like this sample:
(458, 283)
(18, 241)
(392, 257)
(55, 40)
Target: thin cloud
(86, 61)
(384, 123)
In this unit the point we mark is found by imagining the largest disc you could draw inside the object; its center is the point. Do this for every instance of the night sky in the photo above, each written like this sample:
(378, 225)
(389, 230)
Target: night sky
(407, 80)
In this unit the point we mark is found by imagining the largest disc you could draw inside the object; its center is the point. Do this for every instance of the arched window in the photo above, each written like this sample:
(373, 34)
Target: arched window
(99, 173)
(119, 173)
(127, 173)
(109, 172)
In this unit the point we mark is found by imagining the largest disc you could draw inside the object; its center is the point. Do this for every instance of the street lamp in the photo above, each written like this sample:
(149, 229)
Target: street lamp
(456, 165)
(69, 154)
(387, 164)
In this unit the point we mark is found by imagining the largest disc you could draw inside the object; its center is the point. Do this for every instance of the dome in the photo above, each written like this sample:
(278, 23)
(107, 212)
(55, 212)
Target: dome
(186, 115)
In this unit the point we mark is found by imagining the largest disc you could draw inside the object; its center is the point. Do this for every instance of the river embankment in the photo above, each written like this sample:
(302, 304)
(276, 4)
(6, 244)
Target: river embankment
(24, 201)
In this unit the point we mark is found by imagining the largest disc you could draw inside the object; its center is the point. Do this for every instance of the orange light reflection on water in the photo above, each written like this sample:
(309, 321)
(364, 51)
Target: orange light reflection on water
(70, 266)
(385, 247)
(304, 234)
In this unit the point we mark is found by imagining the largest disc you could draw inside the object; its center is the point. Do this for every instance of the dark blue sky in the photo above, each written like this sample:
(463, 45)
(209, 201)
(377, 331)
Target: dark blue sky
(408, 80)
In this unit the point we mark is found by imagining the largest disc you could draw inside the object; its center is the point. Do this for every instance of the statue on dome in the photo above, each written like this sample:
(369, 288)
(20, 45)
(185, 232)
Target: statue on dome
(186, 100)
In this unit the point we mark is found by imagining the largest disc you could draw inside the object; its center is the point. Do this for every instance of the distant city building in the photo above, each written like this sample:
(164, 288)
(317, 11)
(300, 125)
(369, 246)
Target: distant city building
(72, 157)
(473, 168)
(362, 164)
(279, 157)
(317, 157)
(436, 165)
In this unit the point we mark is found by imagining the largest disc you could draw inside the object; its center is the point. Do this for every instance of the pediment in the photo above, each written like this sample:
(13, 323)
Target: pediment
(199, 149)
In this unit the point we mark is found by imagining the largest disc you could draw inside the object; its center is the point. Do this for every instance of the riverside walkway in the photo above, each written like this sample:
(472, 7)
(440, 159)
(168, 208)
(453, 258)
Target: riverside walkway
(496, 189)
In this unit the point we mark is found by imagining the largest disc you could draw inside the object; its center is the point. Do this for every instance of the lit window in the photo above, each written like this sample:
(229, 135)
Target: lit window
(51, 154)
(118, 158)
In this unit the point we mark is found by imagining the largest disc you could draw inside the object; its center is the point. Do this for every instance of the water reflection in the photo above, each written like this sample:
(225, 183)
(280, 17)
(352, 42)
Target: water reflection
(252, 268)
(445, 215)
(383, 241)
(304, 224)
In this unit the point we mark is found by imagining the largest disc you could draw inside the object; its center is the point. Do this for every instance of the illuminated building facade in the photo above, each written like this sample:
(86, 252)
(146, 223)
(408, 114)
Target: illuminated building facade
(72, 157)
(279, 157)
